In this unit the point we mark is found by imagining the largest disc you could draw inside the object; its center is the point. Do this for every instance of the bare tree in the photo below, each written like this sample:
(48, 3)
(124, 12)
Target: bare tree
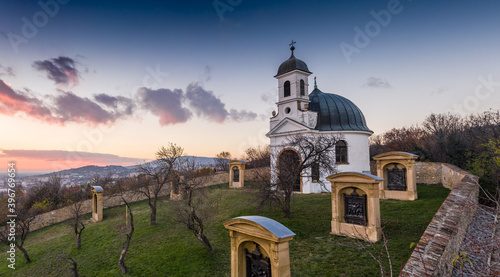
(122, 185)
(156, 174)
(221, 160)
(47, 195)
(259, 157)
(75, 200)
(306, 156)
(196, 208)
(56, 258)
(21, 226)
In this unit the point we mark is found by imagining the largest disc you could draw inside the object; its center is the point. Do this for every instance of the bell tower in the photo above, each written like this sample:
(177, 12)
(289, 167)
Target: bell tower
(293, 89)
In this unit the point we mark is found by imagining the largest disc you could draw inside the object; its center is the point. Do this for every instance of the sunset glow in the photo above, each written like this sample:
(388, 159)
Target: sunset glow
(110, 82)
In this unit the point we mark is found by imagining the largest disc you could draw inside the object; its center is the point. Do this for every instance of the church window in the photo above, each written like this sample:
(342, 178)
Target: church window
(341, 152)
(287, 110)
(315, 172)
(302, 88)
(287, 88)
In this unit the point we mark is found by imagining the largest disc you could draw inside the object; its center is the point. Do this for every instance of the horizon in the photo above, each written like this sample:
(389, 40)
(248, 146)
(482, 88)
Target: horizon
(35, 173)
(108, 84)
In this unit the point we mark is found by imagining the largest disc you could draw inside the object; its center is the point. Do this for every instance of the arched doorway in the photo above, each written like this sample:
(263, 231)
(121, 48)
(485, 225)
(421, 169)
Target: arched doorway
(289, 168)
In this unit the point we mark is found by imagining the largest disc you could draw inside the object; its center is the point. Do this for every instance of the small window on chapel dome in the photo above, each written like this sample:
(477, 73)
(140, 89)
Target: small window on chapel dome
(287, 88)
(302, 88)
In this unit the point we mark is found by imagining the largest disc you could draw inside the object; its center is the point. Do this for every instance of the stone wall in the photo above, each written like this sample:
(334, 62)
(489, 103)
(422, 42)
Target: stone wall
(444, 235)
(63, 214)
(429, 173)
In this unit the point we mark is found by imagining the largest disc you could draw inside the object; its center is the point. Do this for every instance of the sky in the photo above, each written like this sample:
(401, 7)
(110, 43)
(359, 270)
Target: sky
(110, 82)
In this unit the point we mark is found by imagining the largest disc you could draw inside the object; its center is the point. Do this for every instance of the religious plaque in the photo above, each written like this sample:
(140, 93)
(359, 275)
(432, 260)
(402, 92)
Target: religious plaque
(355, 208)
(396, 179)
(257, 265)
(236, 174)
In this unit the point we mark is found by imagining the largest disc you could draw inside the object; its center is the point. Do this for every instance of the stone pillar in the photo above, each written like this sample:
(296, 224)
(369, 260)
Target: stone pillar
(259, 243)
(236, 174)
(356, 205)
(97, 203)
(400, 175)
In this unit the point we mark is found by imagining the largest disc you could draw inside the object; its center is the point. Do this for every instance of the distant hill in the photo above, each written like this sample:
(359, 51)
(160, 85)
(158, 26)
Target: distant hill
(84, 170)
(121, 171)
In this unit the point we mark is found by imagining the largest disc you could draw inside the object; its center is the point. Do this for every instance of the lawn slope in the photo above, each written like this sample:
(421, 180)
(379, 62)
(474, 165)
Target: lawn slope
(169, 249)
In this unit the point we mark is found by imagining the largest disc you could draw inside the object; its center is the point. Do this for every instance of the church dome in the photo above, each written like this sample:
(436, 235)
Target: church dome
(336, 113)
(291, 64)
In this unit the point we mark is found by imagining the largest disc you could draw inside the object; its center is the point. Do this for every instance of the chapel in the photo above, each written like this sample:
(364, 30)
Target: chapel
(316, 113)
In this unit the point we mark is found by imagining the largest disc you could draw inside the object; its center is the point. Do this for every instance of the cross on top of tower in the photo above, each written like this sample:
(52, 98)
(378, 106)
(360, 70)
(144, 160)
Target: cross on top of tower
(292, 47)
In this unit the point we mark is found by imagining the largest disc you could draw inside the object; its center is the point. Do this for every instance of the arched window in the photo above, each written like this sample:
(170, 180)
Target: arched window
(287, 88)
(302, 88)
(341, 152)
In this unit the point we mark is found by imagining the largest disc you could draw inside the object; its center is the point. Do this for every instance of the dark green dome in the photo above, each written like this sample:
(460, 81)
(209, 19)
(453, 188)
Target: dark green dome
(291, 64)
(336, 113)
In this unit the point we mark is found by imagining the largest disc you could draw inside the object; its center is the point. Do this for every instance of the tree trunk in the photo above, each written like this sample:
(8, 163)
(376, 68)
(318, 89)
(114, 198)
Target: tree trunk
(121, 261)
(79, 240)
(74, 268)
(152, 220)
(204, 240)
(25, 253)
(78, 234)
(286, 207)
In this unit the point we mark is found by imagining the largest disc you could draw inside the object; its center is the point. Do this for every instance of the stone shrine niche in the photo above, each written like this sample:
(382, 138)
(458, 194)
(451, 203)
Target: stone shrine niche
(236, 174)
(396, 177)
(355, 208)
(97, 203)
(259, 247)
(355, 205)
(256, 263)
(398, 171)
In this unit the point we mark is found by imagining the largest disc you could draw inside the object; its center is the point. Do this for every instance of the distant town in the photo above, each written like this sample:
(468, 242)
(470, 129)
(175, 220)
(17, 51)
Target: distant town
(83, 175)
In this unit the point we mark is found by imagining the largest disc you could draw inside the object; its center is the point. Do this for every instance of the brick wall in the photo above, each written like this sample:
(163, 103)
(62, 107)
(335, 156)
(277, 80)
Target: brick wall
(444, 235)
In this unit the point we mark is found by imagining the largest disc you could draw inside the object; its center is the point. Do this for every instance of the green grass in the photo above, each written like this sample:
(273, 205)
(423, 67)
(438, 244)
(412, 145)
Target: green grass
(169, 249)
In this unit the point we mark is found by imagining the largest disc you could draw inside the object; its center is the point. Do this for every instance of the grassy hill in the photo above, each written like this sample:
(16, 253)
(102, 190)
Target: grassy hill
(169, 249)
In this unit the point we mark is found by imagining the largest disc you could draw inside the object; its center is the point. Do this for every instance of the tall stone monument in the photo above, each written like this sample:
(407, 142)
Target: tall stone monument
(97, 203)
(237, 174)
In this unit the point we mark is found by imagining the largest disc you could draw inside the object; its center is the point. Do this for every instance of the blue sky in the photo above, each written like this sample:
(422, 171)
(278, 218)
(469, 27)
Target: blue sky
(140, 74)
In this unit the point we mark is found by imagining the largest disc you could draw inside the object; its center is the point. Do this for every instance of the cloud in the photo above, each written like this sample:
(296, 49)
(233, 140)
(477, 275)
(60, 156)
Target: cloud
(63, 108)
(376, 82)
(121, 103)
(205, 103)
(69, 107)
(61, 70)
(164, 103)
(13, 102)
(60, 159)
(7, 70)
(242, 115)
(58, 155)
(170, 106)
